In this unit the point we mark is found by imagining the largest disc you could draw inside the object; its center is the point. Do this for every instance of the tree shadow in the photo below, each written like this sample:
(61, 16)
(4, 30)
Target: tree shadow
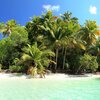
(74, 76)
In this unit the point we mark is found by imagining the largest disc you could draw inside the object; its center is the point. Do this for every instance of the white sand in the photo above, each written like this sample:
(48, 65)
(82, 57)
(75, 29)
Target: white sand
(49, 77)
(11, 76)
(71, 77)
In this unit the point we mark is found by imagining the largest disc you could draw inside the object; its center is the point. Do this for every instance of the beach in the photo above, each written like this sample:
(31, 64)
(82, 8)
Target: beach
(52, 76)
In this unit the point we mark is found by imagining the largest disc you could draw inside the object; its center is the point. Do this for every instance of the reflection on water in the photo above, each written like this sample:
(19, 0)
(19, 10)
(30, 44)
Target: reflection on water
(98, 78)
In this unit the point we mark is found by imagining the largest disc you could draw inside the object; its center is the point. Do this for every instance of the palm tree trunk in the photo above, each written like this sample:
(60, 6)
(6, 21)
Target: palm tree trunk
(56, 59)
(62, 50)
(64, 58)
(50, 65)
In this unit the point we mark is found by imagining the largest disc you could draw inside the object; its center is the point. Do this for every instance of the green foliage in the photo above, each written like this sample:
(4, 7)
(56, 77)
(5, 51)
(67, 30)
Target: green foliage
(98, 60)
(10, 47)
(19, 35)
(73, 58)
(34, 44)
(89, 62)
(88, 32)
(14, 68)
(7, 28)
(7, 52)
(36, 57)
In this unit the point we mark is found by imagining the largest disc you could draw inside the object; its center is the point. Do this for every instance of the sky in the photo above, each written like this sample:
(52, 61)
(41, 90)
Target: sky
(23, 10)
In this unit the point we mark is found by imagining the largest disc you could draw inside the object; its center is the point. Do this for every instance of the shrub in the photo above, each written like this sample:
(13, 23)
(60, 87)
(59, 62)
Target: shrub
(16, 68)
(88, 62)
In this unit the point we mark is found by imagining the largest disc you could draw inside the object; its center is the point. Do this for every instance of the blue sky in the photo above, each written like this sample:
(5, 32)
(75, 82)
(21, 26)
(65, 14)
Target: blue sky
(22, 10)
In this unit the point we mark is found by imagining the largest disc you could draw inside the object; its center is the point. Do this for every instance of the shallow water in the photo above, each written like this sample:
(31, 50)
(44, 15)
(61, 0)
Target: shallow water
(42, 89)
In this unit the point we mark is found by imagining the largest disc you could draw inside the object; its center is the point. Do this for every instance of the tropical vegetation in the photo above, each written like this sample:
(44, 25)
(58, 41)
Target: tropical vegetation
(59, 44)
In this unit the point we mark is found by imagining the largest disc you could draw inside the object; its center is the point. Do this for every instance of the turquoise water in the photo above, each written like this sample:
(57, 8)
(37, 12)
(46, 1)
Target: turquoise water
(41, 89)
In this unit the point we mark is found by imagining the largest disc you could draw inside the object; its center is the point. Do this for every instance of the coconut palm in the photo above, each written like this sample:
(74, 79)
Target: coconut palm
(35, 57)
(88, 32)
(6, 28)
(71, 38)
(34, 33)
(55, 32)
(60, 32)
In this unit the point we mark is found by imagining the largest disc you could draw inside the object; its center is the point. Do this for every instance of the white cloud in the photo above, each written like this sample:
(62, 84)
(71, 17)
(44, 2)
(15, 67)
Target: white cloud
(93, 10)
(51, 7)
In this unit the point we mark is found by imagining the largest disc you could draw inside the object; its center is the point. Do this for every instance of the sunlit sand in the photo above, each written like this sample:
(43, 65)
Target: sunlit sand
(56, 76)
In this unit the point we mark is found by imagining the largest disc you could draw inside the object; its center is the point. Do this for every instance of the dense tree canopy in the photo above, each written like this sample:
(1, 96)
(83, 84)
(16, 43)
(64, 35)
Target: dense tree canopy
(76, 47)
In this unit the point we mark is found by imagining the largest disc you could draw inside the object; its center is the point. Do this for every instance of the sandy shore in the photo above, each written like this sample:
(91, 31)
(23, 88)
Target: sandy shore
(50, 76)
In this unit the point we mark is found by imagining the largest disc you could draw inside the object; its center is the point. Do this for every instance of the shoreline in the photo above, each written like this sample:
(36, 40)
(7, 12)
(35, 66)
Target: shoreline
(57, 76)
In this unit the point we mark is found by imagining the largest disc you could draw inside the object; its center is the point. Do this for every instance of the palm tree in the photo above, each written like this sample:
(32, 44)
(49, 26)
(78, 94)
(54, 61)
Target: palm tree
(6, 28)
(71, 37)
(95, 50)
(88, 33)
(55, 32)
(35, 57)
(60, 32)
